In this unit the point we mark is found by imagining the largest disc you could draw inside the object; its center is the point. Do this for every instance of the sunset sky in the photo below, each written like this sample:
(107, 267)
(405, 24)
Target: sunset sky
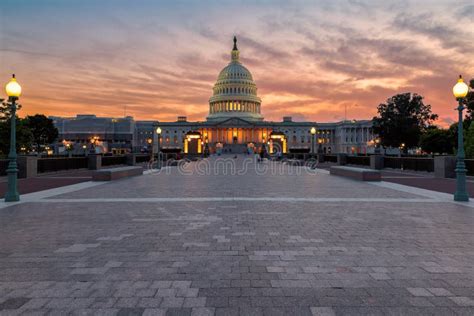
(160, 59)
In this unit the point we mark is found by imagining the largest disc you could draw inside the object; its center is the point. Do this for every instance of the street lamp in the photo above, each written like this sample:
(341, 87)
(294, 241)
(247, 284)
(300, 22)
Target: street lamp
(94, 143)
(320, 147)
(68, 149)
(460, 91)
(158, 133)
(313, 133)
(401, 149)
(377, 146)
(13, 90)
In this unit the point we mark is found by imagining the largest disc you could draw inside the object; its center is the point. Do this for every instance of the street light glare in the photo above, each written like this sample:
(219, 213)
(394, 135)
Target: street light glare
(313, 130)
(13, 88)
(158, 130)
(461, 89)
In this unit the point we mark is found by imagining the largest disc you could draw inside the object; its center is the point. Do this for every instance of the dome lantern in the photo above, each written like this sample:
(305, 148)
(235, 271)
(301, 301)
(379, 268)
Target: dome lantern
(235, 51)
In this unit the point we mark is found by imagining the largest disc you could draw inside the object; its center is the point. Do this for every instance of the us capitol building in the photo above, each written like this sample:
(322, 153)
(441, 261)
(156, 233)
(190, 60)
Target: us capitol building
(234, 125)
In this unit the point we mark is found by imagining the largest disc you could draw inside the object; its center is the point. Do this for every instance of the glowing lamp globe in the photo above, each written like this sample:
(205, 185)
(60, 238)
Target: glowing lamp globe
(313, 131)
(461, 89)
(13, 88)
(158, 130)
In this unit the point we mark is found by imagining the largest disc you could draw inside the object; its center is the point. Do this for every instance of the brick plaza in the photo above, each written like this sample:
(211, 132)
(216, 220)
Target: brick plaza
(275, 241)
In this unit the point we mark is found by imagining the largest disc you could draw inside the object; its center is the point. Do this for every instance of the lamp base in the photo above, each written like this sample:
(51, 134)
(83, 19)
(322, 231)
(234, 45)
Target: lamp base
(15, 197)
(12, 194)
(461, 197)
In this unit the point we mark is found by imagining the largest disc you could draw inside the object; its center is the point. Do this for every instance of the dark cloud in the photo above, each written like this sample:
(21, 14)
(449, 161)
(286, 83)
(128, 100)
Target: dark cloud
(449, 36)
(467, 12)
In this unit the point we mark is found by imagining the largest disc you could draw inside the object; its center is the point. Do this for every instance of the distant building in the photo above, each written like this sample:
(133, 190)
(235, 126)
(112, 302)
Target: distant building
(102, 132)
(234, 125)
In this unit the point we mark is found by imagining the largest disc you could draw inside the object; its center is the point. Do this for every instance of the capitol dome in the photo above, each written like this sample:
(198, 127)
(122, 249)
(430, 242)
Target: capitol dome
(235, 93)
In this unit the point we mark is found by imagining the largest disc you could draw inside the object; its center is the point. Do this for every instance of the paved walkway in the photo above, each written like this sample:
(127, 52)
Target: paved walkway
(421, 180)
(210, 239)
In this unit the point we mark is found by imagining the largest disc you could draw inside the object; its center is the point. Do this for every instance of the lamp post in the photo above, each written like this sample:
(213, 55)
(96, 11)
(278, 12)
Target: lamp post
(69, 150)
(149, 141)
(313, 134)
(94, 143)
(320, 147)
(377, 146)
(263, 152)
(13, 90)
(158, 133)
(460, 91)
(206, 148)
(401, 149)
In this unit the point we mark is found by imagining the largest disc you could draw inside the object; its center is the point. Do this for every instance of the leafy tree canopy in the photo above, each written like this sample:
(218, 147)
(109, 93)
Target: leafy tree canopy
(437, 141)
(23, 133)
(42, 130)
(402, 119)
(23, 136)
(469, 142)
(469, 102)
(5, 110)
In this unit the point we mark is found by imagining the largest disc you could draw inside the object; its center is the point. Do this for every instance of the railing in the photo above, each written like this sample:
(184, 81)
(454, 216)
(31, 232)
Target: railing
(330, 158)
(3, 167)
(58, 164)
(299, 156)
(184, 156)
(177, 156)
(114, 160)
(416, 164)
(142, 158)
(358, 160)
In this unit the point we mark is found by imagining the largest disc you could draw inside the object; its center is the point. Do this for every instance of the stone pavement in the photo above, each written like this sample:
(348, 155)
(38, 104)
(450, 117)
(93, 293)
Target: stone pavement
(210, 239)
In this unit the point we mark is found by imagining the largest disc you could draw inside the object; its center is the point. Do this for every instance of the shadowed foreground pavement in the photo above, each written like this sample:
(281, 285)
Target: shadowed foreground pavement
(262, 242)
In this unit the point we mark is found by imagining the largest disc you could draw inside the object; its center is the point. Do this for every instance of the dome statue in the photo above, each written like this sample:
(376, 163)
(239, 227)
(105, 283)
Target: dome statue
(235, 93)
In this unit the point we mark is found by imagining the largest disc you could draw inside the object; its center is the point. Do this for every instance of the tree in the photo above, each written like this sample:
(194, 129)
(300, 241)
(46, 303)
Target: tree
(469, 145)
(469, 102)
(5, 110)
(437, 141)
(23, 134)
(42, 130)
(402, 119)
